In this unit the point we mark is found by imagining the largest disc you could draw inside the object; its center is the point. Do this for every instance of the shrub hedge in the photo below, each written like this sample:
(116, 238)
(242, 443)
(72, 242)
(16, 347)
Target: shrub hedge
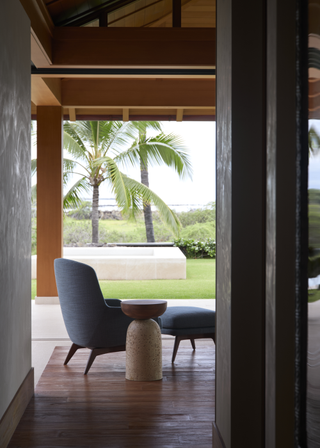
(196, 249)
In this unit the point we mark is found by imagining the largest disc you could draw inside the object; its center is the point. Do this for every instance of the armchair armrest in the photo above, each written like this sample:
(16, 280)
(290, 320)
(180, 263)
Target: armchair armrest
(113, 303)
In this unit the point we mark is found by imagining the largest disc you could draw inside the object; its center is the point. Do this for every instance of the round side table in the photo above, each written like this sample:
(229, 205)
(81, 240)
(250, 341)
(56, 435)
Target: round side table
(143, 345)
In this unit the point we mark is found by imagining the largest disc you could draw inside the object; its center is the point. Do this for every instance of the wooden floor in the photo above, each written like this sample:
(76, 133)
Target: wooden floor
(103, 409)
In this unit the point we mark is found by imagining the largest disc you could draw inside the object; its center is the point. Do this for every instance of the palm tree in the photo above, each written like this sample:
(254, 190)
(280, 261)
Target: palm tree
(98, 150)
(156, 150)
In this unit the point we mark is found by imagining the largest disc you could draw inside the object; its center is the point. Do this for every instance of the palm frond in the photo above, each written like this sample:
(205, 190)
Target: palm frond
(158, 150)
(74, 140)
(69, 164)
(129, 157)
(168, 149)
(34, 194)
(135, 208)
(143, 126)
(33, 167)
(168, 216)
(68, 170)
(95, 127)
(115, 135)
(116, 180)
(72, 197)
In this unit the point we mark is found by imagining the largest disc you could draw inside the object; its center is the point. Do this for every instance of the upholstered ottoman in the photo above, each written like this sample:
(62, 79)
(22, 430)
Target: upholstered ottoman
(187, 322)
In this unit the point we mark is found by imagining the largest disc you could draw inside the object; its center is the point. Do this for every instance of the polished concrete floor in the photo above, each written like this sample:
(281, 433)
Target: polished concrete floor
(48, 331)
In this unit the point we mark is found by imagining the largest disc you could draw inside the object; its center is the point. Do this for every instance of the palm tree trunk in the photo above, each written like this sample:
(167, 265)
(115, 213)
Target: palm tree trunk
(147, 207)
(95, 215)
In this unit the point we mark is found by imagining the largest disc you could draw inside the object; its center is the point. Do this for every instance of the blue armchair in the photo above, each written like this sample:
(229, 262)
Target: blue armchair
(91, 321)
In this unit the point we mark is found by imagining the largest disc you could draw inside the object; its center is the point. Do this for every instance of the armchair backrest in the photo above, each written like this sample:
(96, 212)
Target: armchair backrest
(81, 299)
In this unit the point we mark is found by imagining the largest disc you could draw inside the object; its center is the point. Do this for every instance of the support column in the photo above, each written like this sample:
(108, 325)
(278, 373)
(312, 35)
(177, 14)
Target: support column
(49, 200)
(281, 223)
(240, 224)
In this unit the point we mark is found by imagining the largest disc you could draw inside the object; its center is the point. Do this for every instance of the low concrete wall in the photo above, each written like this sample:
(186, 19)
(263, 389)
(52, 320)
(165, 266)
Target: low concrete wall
(128, 263)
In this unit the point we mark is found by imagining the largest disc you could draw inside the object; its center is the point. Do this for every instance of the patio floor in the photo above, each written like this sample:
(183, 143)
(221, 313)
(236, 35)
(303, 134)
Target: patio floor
(103, 409)
(48, 330)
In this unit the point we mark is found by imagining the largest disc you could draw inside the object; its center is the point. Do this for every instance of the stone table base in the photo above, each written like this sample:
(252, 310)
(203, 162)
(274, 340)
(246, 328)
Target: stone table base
(143, 351)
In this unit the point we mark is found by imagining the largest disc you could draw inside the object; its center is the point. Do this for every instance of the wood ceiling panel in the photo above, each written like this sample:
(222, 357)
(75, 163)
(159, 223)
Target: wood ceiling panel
(159, 14)
(61, 9)
(139, 13)
(81, 12)
(141, 97)
(195, 13)
(57, 8)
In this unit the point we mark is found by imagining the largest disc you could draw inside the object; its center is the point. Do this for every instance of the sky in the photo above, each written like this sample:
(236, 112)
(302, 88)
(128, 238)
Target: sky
(200, 141)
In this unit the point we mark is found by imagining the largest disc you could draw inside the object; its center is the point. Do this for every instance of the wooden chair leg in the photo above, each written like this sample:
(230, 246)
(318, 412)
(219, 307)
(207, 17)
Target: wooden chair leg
(101, 351)
(192, 338)
(92, 357)
(73, 349)
(175, 348)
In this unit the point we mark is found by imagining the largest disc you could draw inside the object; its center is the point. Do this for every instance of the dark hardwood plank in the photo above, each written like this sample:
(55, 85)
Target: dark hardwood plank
(103, 409)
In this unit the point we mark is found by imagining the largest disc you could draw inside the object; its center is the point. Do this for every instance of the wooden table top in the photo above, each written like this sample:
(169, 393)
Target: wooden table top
(143, 309)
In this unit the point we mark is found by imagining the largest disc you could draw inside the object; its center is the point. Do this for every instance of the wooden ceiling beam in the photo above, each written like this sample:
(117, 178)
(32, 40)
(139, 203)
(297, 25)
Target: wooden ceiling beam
(179, 115)
(41, 32)
(122, 76)
(72, 114)
(152, 114)
(139, 93)
(176, 13)
(125, 114)
(134, 47)
(46, 92)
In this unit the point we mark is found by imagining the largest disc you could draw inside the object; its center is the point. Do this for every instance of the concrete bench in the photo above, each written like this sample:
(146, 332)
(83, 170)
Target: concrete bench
(128, 263)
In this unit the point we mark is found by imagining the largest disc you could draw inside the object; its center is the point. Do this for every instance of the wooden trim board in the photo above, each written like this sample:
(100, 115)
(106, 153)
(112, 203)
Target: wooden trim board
(16, 408)
(217, 441)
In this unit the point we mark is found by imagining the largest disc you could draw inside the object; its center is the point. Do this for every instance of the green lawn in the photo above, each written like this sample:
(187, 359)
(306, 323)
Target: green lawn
(313, 295)
(200, 284)
(33, 289)
(110, 224)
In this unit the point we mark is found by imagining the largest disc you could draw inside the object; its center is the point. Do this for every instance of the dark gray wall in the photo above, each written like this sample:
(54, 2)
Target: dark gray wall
(240, 222)
(15, 220)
